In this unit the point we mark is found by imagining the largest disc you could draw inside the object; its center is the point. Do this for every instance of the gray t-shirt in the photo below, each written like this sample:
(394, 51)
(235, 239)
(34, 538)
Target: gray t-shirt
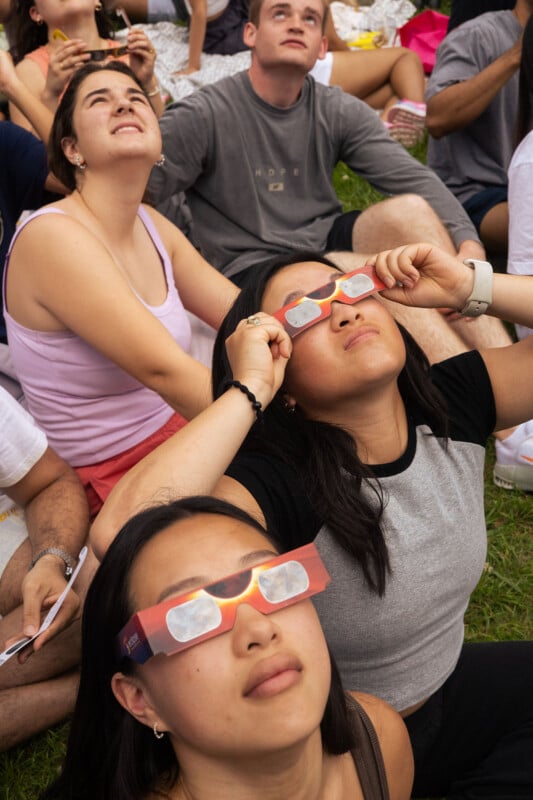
(258, 178)
(476, 157)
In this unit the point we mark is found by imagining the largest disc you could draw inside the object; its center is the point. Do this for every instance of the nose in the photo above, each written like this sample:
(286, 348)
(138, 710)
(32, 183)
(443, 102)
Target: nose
(124, 105)
(296, 23)
(253, 629)
(343, 314)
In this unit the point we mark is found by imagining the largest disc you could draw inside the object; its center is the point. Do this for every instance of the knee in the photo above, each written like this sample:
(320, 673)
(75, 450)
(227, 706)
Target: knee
(407, 207)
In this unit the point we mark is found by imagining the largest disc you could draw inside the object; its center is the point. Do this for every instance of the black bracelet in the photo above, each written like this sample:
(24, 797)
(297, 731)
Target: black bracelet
(256, 405)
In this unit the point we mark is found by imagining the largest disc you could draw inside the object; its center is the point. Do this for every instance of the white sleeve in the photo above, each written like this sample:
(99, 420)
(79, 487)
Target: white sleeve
(22, 443)
(520, 256)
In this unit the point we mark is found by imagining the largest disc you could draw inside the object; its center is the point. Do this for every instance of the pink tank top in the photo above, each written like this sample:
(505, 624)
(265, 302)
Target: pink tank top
(89, 408)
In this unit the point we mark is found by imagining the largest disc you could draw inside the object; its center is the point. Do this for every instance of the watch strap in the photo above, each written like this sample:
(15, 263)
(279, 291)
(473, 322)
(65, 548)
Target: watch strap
(480, 297)
(70, 562)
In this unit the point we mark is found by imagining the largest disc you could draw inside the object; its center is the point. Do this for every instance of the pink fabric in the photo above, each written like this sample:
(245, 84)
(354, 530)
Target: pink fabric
(423, 34)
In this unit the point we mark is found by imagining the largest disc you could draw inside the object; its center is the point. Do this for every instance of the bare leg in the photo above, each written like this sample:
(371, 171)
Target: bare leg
(364, 73)
(494, 228)
(28, 710)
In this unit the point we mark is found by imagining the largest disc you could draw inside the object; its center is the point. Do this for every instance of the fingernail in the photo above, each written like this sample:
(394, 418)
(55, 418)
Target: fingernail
(389, 281)
(29, 630)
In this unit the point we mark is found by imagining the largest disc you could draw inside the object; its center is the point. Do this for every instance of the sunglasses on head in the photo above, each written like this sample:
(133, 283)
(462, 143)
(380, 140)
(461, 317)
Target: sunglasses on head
(300, 314)
(184, 621)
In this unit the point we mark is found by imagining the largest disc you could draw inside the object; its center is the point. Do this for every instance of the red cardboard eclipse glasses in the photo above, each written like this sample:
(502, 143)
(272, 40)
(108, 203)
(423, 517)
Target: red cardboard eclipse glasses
(181, 622)
(300, 314)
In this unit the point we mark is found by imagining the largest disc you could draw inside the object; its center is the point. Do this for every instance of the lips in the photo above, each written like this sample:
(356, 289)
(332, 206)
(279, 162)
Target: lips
(272, 676)
(360, 335)
(295, 43)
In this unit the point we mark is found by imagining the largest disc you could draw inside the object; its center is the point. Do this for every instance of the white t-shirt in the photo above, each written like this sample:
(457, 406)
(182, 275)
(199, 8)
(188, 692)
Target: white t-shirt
(22, 444)
(520, 252)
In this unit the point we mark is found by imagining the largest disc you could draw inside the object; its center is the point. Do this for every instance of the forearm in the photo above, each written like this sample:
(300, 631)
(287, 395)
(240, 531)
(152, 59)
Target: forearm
(34, 111)
(58, 516)
(189, 463)
(460, 104)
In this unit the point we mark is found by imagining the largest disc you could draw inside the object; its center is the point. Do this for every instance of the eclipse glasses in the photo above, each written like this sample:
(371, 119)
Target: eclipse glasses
(300, 314)
(181, 622)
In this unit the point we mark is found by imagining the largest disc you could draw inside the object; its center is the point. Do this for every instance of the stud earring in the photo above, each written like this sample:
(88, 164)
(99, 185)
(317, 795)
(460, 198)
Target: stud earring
(79, 163)
(157, 734)
(161, 160)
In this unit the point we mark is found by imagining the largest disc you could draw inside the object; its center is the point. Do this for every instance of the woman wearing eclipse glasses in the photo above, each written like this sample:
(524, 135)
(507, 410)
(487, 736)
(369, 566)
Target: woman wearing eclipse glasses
(205, 674)
(52, 39)
(351, 441)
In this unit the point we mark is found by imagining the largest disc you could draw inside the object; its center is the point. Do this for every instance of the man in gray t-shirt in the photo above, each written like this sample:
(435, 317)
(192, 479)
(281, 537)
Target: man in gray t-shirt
(255, 154)
(472, 99)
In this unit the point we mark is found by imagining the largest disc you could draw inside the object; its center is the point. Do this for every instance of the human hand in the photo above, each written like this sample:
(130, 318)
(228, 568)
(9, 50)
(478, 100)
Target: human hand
(142, 57)
(258, 353)
(41, 587)
(65, 58)
(425, 276)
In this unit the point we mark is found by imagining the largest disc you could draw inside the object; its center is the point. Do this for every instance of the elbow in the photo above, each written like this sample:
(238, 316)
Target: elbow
(436, 126)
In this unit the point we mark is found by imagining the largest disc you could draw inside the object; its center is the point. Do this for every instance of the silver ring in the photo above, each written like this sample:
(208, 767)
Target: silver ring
(253, 320)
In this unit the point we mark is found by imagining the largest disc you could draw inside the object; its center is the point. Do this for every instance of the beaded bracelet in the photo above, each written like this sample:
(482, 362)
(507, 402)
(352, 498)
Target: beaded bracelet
(256, 405)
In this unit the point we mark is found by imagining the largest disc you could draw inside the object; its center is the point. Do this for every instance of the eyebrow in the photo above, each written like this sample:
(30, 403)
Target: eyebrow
(298, 293)
(131, 90)
(197, 581)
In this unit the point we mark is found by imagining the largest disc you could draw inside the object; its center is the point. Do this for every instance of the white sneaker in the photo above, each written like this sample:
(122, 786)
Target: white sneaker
(514, 460)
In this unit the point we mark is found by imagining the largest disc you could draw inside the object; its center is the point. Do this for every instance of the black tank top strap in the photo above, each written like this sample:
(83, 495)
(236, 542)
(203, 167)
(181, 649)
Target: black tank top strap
(367, 755)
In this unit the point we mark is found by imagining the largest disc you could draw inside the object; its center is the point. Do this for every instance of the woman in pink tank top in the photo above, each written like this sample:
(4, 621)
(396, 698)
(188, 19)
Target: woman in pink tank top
(96, 288)
(52, 39)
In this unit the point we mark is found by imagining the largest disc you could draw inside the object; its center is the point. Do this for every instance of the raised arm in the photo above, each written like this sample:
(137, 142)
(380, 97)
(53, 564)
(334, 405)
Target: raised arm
(431, 278)
(197, 27)
(194, 460)
(18, 93)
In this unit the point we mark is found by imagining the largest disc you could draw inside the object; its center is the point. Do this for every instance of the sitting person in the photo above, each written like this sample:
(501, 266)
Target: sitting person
(520, 259)
(472, 97)
(463, 10)
(96, 287)
(52, 40)
(353, 442)
(44, 522)
(271, 720)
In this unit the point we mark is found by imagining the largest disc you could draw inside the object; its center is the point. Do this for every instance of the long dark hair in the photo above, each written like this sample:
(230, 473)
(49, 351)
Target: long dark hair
(63, 124)
(325, 455)
(525, 84)
(110, 755)
(26, 35)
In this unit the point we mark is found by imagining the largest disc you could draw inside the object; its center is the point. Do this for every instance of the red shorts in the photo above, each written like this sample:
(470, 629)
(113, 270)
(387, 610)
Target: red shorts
(99, 479)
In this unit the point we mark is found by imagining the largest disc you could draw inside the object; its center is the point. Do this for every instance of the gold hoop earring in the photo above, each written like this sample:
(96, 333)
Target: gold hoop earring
(98, 6)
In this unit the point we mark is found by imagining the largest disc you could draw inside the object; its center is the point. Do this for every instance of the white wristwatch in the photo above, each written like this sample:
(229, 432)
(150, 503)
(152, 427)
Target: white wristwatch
(481, 295)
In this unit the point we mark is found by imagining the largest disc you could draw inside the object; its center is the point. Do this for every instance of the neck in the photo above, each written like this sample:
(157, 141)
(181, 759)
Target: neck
(113, 200)
(79, 28)
(301, 773)
(377, 422)
(279, 87)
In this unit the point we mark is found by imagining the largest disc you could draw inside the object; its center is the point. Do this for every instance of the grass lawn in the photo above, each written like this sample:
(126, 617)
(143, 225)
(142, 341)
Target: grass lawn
(501, 607)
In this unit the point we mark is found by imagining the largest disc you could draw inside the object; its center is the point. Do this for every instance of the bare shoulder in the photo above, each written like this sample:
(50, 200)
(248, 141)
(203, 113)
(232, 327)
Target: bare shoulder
(394, 742)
